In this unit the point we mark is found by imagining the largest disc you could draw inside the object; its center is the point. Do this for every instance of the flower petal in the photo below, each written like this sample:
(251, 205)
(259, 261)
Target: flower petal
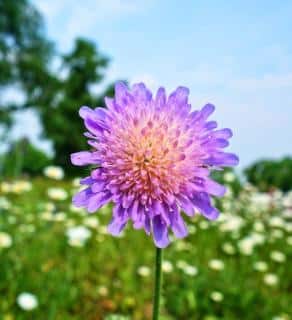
(141, 93)
(207, 110)
(160, 98)
(121, 91)
(179, 96)
(160, 232)
(93, 126)
(119, 220)
(85, 112)
(81, 198)
(97, 186)
(177, 224)
(202, 201)
(186, 205)
(222, 159)
(222, 133)
(214, 188)
(97, 201)
(83, 158)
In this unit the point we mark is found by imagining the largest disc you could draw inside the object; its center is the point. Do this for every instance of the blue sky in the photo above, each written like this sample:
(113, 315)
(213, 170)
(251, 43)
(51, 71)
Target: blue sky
(235, 54)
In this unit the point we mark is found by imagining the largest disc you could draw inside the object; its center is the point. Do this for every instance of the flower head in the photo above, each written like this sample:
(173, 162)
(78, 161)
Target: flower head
(260, 266)
(216, 264)
(278, 256)
(58, 194)
(27, 301)
(144, 271)
(54, 172)
(190, 270)
(216, 296)
(5, 240)
(271, 279)
(167, 266)
(77, 236)
(153, 158)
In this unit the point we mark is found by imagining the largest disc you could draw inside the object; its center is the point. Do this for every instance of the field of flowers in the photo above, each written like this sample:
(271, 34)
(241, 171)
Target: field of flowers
(57, 262)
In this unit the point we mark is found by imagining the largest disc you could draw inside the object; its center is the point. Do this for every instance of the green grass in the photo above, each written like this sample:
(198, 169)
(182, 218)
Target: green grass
(68, 281)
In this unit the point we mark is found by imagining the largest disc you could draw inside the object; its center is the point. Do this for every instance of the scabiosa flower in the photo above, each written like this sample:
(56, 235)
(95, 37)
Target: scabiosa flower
(152, 158)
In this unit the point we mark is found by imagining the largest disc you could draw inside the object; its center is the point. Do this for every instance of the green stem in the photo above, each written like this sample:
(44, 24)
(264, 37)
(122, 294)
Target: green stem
(158, 283)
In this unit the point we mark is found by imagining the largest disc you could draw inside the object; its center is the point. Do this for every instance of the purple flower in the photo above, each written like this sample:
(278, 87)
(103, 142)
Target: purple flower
(153, 158)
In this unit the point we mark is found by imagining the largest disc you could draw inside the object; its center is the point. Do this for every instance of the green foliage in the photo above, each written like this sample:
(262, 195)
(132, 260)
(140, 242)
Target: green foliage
(270, 174)
(25, 158)
(24, 52)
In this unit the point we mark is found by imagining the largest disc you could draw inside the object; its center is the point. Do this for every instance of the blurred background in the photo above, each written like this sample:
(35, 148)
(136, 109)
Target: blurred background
(57, 262)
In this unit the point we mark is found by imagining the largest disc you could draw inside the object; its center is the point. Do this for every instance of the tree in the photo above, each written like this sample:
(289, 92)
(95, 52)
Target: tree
(269, 174)
(24, 53)
(59, 104)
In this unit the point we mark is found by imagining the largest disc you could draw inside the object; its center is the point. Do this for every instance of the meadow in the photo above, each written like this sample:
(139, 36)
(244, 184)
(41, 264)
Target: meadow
(58, 263)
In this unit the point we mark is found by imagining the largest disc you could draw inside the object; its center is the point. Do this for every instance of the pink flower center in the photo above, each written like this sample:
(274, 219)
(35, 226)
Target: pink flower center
(152, 158)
